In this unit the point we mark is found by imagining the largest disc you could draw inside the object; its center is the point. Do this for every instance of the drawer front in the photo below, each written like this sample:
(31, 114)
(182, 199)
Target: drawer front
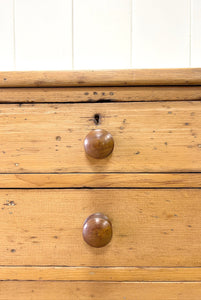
(93, 290)
(151, 227)
(148, 137)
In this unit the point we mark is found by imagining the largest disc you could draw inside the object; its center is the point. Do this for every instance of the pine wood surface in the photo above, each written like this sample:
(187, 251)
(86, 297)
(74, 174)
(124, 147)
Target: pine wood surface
(106, 274)
(154, 227)
(130, 77)
(104, 180)
(148, 137)
(155, 248)
(96, 94)
(99, 290)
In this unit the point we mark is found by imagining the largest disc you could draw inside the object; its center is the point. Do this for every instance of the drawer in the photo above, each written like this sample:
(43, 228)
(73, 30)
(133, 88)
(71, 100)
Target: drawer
(148, 137)
(141, 202)
(151, 227)
(93, 290)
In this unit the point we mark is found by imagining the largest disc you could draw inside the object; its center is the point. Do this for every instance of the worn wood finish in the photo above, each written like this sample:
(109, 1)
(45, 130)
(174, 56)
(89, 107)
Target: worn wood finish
(104, 180)
(130, 77)
(150, 227)
(148, 137)
(156, 232)
(98, 143)
(95, 94)
(99, 290)
(97, 230)
(120, 274)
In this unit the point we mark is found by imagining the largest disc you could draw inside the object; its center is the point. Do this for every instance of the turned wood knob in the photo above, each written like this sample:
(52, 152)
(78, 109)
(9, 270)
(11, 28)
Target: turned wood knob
(98, 143)
(97, 230)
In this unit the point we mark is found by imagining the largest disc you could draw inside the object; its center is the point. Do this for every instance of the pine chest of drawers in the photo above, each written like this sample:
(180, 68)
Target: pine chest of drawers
(100, 179)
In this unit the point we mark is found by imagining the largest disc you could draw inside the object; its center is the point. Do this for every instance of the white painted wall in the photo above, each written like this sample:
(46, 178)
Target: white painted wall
(99, 34)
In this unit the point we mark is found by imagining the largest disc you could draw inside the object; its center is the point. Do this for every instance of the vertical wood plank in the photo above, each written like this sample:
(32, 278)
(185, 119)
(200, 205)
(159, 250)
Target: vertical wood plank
(196, 33)
(161, 33)
(102, 34)
(6, 36)
(43, 34)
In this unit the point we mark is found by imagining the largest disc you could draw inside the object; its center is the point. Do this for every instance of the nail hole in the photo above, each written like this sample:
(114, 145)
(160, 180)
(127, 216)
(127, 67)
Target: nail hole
(97, 119)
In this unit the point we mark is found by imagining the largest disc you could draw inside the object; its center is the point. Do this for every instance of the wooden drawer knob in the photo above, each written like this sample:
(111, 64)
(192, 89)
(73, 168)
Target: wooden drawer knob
(97, 230)
(98, 143)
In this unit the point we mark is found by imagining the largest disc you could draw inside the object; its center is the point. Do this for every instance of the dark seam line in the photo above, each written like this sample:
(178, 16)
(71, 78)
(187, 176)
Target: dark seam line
(100, 188)
(99, 267)
(100, 86)
(102, 281)
(96, 101)
(101, 173)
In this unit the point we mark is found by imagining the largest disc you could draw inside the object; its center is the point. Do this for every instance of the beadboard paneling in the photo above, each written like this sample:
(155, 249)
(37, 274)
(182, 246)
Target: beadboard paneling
(43, 34)
(102, 34)
(196, 33)
(107, 34)
(160, 33)
(6, 35)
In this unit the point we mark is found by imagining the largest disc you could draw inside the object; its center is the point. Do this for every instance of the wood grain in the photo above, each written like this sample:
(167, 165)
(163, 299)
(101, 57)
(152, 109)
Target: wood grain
(152, 227)
(148, 137)
(95, 94)
(104, 180)
(98, 143)
(97, 230)
(115, 274)
(99, 290)
(130, 77)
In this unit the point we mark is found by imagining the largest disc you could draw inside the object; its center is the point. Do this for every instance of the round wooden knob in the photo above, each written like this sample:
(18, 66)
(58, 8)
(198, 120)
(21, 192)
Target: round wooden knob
(97, 230)
(99, 143)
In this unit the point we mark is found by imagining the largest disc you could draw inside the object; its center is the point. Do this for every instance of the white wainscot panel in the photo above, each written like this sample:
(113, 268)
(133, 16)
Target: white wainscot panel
(6, 36)
(102, 34)
(161, 33)
(43, 34)
(196, 33)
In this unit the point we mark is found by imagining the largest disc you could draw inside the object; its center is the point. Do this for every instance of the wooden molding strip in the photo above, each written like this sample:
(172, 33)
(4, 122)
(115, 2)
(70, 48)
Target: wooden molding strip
(138, 77)
(104, 180)
(136, 274)
(95, 94)
(62, 290)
